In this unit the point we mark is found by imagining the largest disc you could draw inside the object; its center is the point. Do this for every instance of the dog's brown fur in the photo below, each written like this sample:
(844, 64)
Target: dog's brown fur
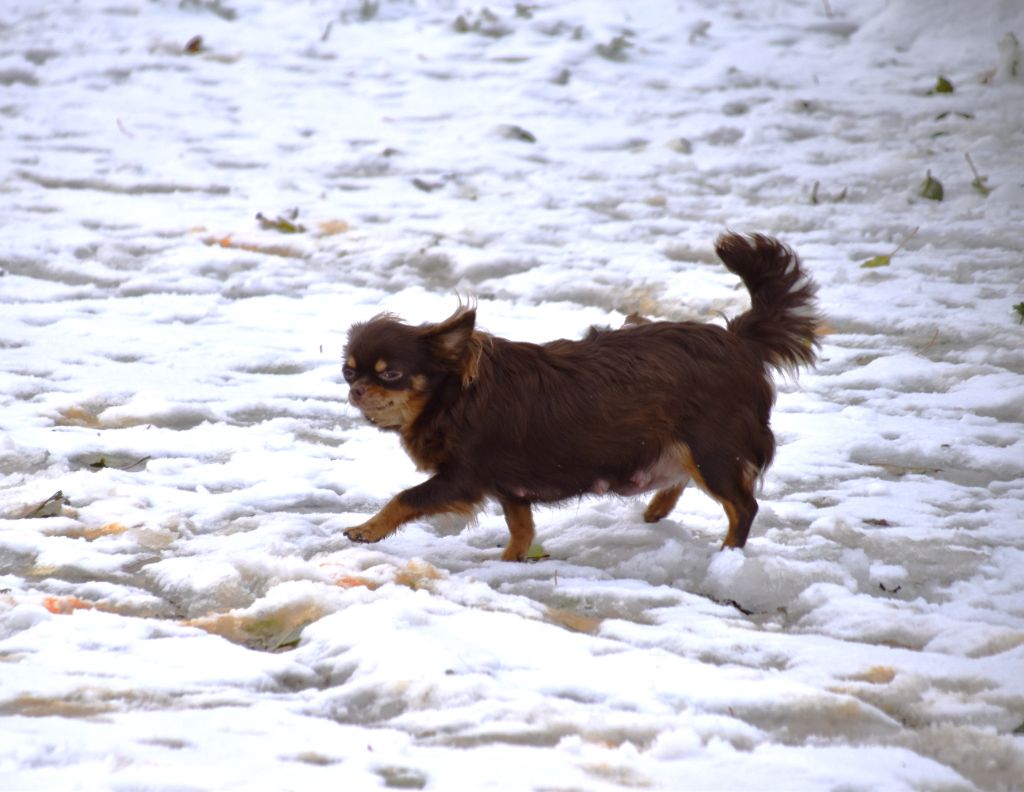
(648, 407)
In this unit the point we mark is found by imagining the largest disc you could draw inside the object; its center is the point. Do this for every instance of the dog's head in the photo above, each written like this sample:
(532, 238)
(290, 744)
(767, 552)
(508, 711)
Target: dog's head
(393, 368)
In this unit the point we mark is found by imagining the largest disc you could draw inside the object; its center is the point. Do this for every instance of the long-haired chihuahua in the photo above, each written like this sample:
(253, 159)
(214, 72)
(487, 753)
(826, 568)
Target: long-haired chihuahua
(648, 407)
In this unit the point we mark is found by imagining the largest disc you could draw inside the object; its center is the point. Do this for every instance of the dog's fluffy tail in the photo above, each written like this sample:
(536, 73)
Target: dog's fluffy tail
(783, 313)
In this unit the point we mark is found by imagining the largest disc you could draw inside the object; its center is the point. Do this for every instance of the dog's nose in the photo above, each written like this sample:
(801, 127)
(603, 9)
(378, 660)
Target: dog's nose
(356, 392)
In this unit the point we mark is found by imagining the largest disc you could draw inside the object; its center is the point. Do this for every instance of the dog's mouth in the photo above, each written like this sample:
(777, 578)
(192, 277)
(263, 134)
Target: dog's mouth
(384, 410)
(383, 418)
(380, 412)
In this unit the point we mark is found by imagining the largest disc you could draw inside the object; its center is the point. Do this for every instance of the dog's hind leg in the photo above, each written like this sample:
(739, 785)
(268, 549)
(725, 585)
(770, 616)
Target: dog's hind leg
(519, 518)
(741, 510)
(663, 502)
(731, 483)
(729, 480)
(673, 468)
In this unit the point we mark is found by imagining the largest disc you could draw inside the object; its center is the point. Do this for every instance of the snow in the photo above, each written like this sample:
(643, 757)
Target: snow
(187, 614)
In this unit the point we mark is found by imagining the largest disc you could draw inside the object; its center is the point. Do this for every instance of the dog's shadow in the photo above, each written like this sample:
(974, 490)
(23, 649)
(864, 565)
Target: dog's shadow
(607, 540)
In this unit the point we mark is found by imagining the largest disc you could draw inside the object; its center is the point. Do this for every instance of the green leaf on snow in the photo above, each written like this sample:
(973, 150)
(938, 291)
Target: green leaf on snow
(877, 261)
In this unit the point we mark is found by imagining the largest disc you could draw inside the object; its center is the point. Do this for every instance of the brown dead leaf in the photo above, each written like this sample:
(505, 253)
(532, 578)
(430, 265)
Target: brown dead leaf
(876, 675)
(57, 505)
(417, 575)
(78, 416)
(65, 605)
(41, 707)
(89, 533)
(332, 227)
(282, 251)
(352, 581)
(110, 529)
(261, 630)
(572, 620)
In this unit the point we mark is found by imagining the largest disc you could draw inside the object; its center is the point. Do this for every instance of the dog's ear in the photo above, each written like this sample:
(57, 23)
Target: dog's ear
(450, 339)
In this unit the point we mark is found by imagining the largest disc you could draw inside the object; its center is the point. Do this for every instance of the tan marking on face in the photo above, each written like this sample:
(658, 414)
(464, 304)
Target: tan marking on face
(380, 366)
(351, 361)
(389, 409)
(419, 382)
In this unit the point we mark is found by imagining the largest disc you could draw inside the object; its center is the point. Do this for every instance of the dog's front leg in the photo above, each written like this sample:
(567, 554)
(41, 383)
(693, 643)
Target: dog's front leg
(436, 495)
(383, 523)
(519, 518)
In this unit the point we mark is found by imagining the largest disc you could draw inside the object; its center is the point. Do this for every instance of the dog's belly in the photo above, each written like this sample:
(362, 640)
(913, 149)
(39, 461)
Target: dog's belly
(668, 470)
(665, 472)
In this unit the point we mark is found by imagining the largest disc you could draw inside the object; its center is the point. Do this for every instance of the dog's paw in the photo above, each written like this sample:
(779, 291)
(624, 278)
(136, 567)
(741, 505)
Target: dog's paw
(367, 533)
(516, 551)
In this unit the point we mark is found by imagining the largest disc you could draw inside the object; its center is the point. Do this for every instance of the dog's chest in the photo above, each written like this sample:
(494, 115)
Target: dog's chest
(427, 451)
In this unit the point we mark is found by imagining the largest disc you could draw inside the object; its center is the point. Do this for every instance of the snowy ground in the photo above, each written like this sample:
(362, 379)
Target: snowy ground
(188, 615)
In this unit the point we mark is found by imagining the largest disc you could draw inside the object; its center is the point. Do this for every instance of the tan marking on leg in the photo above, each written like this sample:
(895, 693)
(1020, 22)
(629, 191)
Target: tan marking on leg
(685, 458)
(519, 518)
(383, 523)
(736, 520)
(731, 539)
(663, 502)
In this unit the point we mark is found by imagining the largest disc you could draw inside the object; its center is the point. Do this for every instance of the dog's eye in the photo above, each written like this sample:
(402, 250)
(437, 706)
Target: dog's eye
(348, 373)
(390, 375)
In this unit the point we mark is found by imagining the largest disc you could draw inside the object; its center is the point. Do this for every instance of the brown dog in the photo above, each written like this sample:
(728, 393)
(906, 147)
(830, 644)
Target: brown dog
(648, 407)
